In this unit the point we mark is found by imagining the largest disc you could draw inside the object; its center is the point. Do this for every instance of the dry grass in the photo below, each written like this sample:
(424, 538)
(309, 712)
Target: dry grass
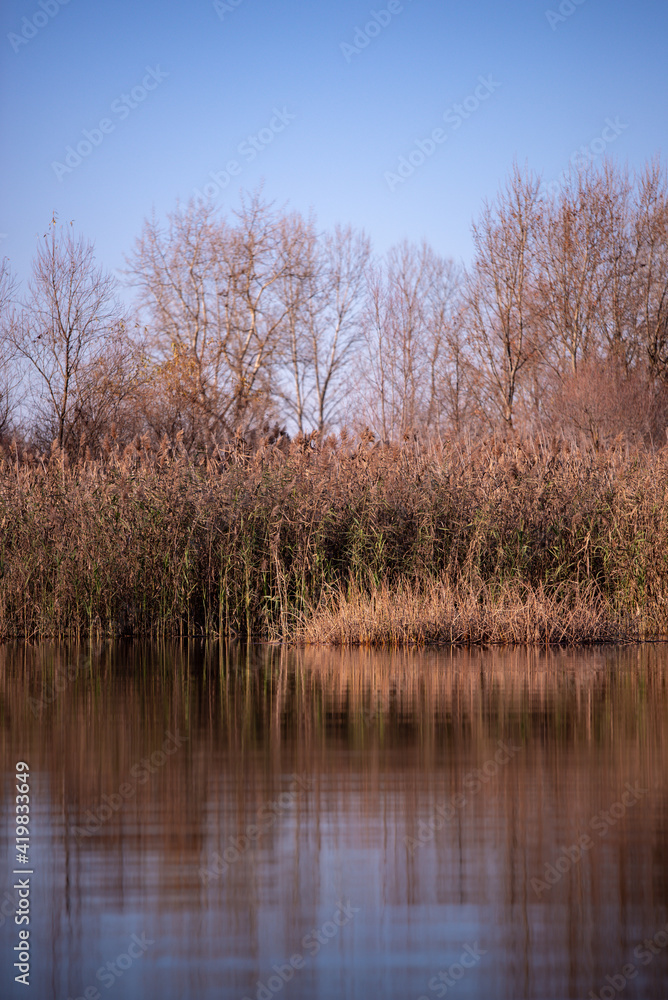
(437, 613)
(342, 542)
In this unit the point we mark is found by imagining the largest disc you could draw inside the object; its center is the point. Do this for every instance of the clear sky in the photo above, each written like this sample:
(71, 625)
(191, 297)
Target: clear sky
(318, 100)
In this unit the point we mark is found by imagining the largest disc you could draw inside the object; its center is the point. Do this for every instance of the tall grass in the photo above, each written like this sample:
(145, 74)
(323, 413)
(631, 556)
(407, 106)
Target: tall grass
(337, 543)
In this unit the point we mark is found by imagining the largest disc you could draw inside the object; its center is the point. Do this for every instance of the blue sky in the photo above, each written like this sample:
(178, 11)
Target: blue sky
(276, 87)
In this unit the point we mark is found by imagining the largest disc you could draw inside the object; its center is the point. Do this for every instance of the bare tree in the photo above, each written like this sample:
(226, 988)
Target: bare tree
(415, 363)
(112, 399)
(602, 302)
(63, 330)
(651, 222)
(299, 290)
(324, 294)
(8, 375)
(575, 266)
(176, 273)
(211, 290)
(633, 311)
(499, 293)
(604, 401)
(450, 409)
(260, 253)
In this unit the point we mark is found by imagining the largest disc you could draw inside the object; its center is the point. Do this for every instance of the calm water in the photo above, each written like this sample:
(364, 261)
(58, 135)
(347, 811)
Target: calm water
(209, 822)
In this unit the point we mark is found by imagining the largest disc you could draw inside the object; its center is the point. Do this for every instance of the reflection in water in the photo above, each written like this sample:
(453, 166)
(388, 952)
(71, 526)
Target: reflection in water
(216, 822)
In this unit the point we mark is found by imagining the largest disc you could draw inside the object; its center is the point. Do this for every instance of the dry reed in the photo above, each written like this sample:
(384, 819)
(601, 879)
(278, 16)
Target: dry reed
(502, 543)
(438, 613)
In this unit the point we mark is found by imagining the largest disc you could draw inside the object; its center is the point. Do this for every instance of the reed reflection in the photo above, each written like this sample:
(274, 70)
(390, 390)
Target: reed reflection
(230, 803)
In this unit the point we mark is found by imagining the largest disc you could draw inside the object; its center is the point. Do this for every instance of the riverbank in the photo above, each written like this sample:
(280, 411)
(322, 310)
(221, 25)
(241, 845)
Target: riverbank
(338, 543)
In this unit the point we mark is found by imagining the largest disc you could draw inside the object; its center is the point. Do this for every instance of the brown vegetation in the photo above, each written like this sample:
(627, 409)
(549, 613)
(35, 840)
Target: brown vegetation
(142, 490)
(440, 613)
(557, 327)
(326, 541)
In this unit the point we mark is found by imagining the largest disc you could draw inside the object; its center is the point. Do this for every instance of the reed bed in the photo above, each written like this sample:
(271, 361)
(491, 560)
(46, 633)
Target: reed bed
(438, 613)
(344, 543)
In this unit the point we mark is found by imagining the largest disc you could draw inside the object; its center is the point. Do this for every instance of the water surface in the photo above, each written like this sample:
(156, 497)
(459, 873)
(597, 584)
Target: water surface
(216, 822)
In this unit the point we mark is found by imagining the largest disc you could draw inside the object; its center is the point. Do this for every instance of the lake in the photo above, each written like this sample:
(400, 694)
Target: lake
(212, 821)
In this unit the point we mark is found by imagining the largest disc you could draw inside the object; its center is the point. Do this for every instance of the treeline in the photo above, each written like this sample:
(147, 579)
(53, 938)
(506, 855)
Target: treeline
(256, 323)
